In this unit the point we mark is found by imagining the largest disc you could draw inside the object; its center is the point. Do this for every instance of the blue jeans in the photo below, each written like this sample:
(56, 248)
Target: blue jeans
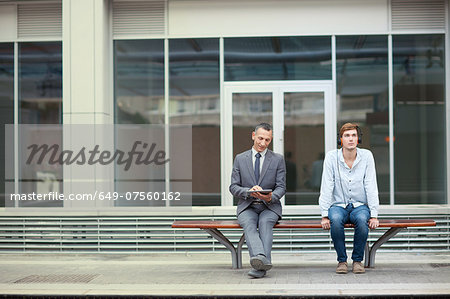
(258, 222)
(359, 217)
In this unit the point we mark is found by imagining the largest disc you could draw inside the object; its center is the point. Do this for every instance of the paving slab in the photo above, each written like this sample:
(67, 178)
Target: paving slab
(293, 274)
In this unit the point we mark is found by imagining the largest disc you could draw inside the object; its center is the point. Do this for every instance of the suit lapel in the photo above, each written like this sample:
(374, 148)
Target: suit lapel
(249, 163)
(267, 160)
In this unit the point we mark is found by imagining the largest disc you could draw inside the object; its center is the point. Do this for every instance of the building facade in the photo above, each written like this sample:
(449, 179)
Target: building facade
(221, 67)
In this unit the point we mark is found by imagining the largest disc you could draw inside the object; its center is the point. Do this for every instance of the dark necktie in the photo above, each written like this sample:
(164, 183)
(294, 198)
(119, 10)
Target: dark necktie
(258, 155)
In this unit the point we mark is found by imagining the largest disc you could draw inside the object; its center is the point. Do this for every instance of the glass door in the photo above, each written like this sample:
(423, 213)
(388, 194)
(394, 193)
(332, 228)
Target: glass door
(304, 145)
(303, 120)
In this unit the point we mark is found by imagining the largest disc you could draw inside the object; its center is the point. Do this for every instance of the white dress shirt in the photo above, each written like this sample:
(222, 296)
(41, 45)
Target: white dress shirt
(342, 185)
(261, 159)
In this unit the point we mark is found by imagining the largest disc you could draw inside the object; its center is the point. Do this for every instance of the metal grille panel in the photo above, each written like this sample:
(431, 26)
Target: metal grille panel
(54, 278)
(154, 234)
(138, 18)
(418, 14)
(39, 20)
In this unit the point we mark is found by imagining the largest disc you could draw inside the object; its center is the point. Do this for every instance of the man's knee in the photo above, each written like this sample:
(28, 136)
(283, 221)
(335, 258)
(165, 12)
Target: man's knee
(361, 219)
(267, 219)
(336, 219)
(266, 224)
(247, 222)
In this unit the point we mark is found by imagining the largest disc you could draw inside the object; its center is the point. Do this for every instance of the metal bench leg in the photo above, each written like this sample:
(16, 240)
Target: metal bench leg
(216, 234)
(366, 254)
(383, 239)
(239, 250)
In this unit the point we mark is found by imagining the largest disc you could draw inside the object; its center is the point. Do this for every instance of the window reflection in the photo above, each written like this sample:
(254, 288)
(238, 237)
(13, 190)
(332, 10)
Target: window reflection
(303, 145)
(419, 119)
(139, 81)
(6, 105)
(40, 83)
(40, 98)
(362, 97)
(194, 99)
(139, 99)
(277, 58)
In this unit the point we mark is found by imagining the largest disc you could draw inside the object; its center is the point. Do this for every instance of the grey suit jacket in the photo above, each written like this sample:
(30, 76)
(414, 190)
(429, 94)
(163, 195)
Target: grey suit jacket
(273, 176)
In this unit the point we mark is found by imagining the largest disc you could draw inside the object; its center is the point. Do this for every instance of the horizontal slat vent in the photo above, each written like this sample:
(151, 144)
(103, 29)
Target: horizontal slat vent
(138, 18)
(154, 234)
(418, 14)
(39, 20)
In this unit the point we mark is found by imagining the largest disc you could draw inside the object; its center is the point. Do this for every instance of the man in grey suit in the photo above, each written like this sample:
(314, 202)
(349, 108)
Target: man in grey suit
(259, 169)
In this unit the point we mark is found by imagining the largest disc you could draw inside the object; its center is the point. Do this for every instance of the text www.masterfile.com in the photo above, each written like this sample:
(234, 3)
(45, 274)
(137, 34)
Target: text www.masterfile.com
(97, 195)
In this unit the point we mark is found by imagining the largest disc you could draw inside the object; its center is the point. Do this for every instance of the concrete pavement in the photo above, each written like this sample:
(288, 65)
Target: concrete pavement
(299, 274)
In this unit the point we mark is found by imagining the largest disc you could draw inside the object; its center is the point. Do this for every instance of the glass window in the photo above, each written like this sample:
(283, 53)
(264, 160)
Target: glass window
(139, 99)
(139, 81)
(303, 146)
(419, 119)
(40, 102)
(277, 58)
(363, 97)
(195, 99)
(40, 83)
(6, 105)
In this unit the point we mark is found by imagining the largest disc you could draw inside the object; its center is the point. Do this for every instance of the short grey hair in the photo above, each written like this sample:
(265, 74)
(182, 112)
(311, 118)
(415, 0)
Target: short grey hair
(265, 126)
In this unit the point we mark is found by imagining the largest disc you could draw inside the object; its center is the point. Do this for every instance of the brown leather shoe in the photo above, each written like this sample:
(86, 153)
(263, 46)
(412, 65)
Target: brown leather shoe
(358, 268)
(342, 268)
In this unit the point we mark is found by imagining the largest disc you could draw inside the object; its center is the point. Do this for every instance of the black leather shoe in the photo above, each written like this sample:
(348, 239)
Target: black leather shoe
(256, 273)
(260, 262)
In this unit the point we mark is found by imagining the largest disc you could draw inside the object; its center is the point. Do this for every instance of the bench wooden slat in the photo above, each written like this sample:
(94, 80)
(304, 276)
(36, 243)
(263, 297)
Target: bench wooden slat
(207, 224)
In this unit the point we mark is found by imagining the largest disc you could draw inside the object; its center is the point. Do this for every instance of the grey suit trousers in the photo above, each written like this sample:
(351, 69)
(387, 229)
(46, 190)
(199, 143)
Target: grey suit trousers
(258, 221)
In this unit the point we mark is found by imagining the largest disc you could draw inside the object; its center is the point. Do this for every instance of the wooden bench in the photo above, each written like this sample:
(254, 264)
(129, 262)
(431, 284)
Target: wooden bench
(212, 228)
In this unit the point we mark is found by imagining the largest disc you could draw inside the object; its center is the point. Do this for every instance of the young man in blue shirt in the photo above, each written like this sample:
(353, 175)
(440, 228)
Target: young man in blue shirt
(349, 194)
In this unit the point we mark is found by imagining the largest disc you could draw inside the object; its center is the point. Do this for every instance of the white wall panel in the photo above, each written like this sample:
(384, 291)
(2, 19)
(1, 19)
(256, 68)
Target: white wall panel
(8, 22)
(86, 53)
(86, 93)
(284, 17)
(82, 56)
(103, 61)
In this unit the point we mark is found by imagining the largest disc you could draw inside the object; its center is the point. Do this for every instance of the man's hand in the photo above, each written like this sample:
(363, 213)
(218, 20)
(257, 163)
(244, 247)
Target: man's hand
(325, 223)
(254, 188)
(266, 197)
(373, 223)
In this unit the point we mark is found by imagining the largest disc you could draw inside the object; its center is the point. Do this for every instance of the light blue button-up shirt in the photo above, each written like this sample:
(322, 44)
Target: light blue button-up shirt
(342, 185)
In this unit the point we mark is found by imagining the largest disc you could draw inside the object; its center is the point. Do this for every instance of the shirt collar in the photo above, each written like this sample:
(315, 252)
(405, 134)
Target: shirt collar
(358, 156)
(263, 153)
